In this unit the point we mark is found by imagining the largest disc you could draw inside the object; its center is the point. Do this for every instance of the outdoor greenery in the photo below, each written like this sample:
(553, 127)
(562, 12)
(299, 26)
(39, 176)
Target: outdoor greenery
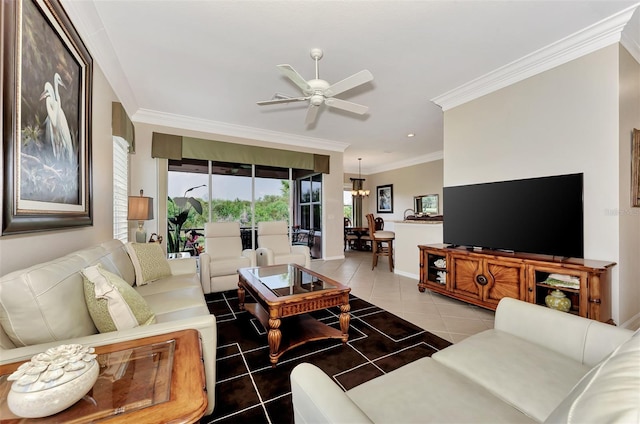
(188, 215)
(179, 211)
(348, 211)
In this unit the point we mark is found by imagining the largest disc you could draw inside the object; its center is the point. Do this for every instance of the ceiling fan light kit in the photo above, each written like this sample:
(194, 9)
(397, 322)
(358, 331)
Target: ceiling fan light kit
(318, 91)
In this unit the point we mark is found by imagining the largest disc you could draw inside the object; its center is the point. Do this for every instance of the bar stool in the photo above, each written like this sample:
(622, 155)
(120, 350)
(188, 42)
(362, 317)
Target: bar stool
(381, 242)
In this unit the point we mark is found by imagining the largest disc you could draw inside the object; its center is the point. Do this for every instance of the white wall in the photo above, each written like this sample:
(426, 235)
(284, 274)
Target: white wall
(409, 235)
(416, 180)
(20, 251)
(629, 274)
(565, 120)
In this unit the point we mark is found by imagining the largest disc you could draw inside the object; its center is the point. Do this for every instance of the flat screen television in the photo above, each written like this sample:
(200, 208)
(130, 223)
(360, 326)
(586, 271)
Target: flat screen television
(536, 215)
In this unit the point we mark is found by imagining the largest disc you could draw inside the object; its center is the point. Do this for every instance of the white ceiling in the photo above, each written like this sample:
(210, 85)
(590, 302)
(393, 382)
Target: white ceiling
(203, 64)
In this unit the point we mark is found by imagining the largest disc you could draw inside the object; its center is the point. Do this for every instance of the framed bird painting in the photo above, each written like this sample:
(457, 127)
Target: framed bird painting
(46, 119)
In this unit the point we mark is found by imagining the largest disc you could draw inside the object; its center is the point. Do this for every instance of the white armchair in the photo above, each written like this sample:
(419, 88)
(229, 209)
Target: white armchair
(275, 248)
(223, 256)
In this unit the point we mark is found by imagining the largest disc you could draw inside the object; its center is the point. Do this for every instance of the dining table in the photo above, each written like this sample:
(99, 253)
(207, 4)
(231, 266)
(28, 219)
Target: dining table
(359, 232)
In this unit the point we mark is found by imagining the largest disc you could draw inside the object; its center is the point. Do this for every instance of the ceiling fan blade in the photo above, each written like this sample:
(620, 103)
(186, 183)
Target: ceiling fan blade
(349, 83)
(312, 112)
(279, 101)
(345, 105)
(294, 76)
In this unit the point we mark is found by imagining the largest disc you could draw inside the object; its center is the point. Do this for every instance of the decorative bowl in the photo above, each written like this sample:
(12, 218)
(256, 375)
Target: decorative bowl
(52, 381)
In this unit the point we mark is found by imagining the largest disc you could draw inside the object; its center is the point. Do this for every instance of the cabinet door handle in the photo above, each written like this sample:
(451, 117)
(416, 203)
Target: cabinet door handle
(482, 280)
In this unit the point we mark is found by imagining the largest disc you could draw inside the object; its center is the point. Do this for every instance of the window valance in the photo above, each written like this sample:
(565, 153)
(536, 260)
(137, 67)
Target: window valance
(121, 125)
(177, 147)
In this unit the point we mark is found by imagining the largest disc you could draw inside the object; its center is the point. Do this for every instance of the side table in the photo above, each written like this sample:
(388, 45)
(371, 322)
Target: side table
(150, 380)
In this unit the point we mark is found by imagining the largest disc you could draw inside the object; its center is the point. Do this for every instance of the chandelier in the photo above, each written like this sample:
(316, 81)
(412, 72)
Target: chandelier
(357, 190)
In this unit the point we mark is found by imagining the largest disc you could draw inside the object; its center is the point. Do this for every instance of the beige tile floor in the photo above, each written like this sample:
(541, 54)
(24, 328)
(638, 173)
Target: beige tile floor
(448, 318)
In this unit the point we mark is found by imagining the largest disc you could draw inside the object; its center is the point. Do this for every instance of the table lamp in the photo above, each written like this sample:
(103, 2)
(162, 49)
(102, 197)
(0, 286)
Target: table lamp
(140, 209)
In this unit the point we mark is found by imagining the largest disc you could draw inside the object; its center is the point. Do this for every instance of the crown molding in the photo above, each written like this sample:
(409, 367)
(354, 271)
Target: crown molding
(601, 34)
(632, 46)
(631, 36)
(87, 21)
(430, 157)
(152, 117)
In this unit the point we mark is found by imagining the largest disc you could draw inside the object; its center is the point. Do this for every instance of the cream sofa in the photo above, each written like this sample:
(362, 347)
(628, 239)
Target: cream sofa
(536, 365)
(44, 306)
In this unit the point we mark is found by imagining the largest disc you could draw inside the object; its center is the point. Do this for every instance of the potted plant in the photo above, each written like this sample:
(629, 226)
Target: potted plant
(181, 206)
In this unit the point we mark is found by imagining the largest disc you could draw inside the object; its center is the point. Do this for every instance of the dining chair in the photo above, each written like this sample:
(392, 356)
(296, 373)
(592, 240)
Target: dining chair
(349, 237)
(381, 242)
(304, 238)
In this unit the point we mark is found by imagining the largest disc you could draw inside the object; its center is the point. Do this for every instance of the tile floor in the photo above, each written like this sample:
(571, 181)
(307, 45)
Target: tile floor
(448, 318)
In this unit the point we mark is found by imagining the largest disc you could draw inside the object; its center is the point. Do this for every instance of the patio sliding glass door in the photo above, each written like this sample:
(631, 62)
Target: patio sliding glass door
(203, 191)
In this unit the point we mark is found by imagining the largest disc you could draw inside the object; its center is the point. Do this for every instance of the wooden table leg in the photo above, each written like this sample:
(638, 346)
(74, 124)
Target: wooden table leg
(345, 319)
(240, 297)
(391, 255)
(274, 336)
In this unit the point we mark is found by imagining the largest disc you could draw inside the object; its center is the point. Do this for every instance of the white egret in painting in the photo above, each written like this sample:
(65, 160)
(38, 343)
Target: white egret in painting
(57, 127)
(63, 127)
(52, 117)
(57, 81)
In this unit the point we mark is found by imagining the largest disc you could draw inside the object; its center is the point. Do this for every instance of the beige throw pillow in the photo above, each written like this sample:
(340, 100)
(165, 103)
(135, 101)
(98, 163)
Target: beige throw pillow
(149, 262)
(113, 304)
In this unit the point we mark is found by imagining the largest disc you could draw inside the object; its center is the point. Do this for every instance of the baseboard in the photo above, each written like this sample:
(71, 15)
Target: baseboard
(633, 323)
(407, 274)
(331, 258)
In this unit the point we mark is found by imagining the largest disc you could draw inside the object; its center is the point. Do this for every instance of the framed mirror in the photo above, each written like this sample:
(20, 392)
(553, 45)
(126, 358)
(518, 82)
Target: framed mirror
(426, 204)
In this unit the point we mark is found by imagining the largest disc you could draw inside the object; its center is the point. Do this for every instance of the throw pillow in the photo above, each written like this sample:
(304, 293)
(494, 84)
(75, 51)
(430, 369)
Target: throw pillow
(113, 304)
(149, 262)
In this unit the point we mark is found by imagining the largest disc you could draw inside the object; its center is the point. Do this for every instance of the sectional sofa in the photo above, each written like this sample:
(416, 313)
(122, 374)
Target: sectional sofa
(44, 306)
(536, 365)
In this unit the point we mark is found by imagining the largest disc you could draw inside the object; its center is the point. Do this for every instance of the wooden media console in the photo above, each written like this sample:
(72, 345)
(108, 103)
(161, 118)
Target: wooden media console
(483, 277)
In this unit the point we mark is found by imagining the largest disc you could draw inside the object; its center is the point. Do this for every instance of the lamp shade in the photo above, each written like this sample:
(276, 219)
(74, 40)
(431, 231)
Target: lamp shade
(140, 208)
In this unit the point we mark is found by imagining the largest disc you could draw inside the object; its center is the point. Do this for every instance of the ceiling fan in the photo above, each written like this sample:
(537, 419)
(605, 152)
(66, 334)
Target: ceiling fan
(319, 91)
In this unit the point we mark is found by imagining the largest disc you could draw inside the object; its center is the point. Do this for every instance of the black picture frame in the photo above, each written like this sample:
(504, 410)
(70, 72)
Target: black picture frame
(384, 198)
(47, 95)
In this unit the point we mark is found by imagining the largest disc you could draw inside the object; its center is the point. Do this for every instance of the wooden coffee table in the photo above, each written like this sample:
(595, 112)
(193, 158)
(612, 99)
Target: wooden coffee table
(150, 380)
(285, 294)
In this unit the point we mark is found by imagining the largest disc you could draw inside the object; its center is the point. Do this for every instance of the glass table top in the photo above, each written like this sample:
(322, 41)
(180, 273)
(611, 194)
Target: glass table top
(129, 380)
(286, 280)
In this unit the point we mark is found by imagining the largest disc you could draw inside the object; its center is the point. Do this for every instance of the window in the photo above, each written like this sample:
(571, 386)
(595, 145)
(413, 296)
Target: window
(348, 204)
(187, 211)
(236, 195)
(120, 188)
(271, 194)
(232, 199)
(310, 198)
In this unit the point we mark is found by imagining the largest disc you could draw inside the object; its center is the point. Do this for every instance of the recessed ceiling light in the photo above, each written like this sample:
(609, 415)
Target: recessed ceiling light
(411, 135)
